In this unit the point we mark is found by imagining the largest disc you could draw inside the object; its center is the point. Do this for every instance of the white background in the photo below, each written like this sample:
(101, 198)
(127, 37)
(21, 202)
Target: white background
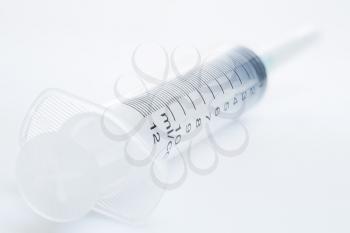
(294, 176)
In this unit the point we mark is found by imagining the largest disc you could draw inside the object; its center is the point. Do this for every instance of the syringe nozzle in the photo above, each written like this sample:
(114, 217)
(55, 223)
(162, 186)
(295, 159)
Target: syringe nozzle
(288, 49)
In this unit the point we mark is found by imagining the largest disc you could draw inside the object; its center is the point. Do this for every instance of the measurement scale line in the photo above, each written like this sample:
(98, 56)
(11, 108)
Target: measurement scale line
(228, 80)
(217, 69)
(209, 89)
(194, 106)
(172, 114)
(174, 95)
(181, 106)
(222, 89)
(172, 98)
(144, 105)
(213, 77)
(196, 90)
(242, 65)
(239, 78)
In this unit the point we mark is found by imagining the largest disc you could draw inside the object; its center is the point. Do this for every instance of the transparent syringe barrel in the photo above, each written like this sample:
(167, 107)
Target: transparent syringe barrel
(178, 110)
(87, 161)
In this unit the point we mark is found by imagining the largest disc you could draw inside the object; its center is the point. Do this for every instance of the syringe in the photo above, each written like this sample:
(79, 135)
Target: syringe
(74, 158)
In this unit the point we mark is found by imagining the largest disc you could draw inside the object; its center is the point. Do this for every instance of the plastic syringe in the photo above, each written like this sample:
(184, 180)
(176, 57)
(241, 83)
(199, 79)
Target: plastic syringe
(74, 159)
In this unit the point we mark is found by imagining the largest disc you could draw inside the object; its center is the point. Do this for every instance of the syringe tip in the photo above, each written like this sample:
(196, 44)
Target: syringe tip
(291, 47)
